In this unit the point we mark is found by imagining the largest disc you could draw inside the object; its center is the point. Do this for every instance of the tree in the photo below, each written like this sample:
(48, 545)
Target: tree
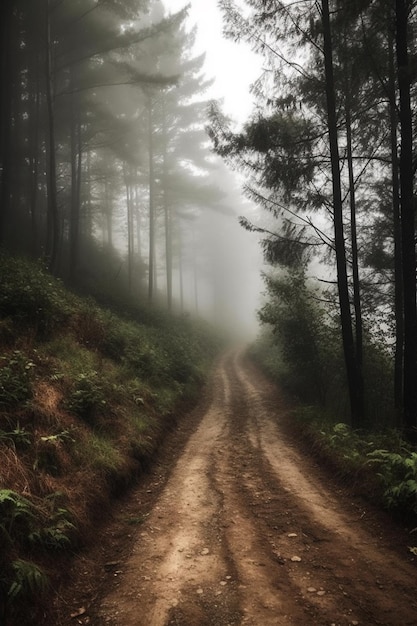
(404, 76)
(329, 73)
(352, 366)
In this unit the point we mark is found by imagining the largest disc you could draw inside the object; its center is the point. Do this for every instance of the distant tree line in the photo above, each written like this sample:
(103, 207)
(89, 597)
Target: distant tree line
(103, 151)
(330, 153)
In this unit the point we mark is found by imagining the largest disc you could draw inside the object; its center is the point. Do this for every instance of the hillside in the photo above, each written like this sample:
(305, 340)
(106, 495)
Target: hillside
(85, 397)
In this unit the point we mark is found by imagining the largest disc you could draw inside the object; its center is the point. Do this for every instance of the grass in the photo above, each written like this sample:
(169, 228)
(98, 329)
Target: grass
(85, 396)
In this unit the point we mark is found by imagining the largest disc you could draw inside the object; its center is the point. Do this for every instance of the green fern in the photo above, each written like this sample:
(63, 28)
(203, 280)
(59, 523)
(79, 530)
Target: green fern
(398, 473)
(14, 509)
(56, 534)
(28, 580)
(16, 438)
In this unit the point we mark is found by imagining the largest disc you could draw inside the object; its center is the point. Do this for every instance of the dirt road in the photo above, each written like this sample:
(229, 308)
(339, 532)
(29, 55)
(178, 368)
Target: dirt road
(246, 530)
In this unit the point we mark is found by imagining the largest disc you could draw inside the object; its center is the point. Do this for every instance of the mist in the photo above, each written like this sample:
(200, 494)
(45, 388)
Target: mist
(108, 174)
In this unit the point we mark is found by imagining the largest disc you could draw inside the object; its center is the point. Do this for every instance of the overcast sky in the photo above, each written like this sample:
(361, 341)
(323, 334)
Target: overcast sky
(232, 65)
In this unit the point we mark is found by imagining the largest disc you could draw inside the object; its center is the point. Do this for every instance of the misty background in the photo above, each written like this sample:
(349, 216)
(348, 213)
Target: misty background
(107, 170)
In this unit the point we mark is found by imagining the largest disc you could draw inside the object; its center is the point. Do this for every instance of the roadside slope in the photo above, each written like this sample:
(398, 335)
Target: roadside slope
(86, 397)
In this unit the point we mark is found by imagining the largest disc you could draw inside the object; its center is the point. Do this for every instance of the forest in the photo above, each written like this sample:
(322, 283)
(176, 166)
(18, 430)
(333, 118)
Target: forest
(119, 275)
(106, 167)
(329, 154)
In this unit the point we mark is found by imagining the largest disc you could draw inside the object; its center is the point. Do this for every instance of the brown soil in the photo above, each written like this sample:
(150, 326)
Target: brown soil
(235, 526)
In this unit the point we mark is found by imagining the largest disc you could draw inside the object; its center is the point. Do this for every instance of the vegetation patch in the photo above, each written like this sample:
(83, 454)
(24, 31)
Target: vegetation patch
(85, 397)
(379, 464)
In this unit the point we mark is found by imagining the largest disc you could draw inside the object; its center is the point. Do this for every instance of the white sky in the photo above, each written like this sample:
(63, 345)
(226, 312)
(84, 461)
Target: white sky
(233, 65)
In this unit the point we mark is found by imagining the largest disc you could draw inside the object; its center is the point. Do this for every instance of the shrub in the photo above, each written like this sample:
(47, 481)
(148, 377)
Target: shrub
(398, 473)
(15, 379)
(87, 395)
(17, 516)
(308, 342)
(31, 296)
(28, 581)
(17, 438)
(57, 530)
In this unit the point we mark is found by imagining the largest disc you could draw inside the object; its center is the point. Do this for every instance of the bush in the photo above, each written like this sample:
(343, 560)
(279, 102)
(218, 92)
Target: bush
(398, 473)
(15, 379)
(87, 396)
(308, 344)
(32, 297)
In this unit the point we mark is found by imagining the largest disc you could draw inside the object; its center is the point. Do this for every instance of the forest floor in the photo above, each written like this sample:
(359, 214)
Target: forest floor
(237, 524)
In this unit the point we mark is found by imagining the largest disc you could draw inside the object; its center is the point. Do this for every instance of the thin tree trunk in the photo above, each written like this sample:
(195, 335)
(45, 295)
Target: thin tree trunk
(396, 210)
(407, 223)
(151, 278)
(180, 270)
(53, 222)
(34, 166)
(167, 215)
(108, 214)
(356, 409)
(138, 224)
(195, 275)
(6, 117)
(355, 262)
(88, 210)
(74, 222)
(129, 202)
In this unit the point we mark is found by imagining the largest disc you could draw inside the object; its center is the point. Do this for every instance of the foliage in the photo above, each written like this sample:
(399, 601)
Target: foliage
(101, 454)
(301, 348)
(385, 464)
(15, 378)
(21, 522)
(56, 530)
(307, 341)
(17, 516)
(28, 580)
(398, 473)
(18, 437)
(31, 296)
(83, 407)
(87, 395)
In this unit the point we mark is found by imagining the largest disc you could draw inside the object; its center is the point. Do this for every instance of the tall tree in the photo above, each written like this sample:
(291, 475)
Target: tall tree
(404, 76)
(352, 365)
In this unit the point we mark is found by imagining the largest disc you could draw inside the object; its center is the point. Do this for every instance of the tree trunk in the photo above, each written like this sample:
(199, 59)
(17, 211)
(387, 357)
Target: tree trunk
(355, 263)
(138, 225)
(151, 278)
(34, 165)
(130, 233)
(356, 409)
(53, 222)
(407, 222)
(167, 213)
(180, 271)
(396, 211)
(74, 223)
(108, 210)
(6, 116)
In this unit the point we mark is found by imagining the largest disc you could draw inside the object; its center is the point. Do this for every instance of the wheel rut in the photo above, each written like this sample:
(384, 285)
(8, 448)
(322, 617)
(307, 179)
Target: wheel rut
(247, 531)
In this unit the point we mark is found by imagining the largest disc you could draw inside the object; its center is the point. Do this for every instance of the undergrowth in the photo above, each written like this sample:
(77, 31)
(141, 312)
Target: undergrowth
(379, 461)
(383, 463)
(85, 396)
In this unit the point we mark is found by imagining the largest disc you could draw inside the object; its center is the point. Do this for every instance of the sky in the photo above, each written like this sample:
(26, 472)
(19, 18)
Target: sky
(233, 66)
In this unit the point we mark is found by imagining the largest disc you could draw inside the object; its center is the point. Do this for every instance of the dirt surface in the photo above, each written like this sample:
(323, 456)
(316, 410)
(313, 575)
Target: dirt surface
(237, 525)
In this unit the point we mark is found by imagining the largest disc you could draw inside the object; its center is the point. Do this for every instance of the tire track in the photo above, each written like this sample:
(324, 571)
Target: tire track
(218, 547)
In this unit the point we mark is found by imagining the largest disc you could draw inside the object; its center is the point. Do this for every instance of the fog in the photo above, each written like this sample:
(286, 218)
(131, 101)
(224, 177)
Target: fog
(108, 173)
